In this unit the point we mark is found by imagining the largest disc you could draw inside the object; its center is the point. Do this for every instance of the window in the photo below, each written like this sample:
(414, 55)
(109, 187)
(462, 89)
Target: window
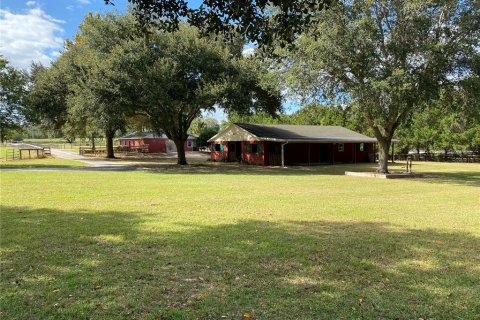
(260, 148)
(254, 148)
(363, 147)
(217, 147)
(341, 147)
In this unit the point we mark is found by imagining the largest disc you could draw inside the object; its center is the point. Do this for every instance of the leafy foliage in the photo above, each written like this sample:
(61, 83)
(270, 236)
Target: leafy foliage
(204, 129)
(170, 79)
(263, 22)
(178, 75)
(13, 88)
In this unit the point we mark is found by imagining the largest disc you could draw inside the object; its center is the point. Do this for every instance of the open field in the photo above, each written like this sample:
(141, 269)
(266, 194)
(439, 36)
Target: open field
(214, 241)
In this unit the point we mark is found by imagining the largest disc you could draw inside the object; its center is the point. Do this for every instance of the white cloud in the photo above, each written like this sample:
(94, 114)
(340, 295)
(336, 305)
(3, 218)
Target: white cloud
(31, 36)
(31, 3)
(248, 52)
(84, 1)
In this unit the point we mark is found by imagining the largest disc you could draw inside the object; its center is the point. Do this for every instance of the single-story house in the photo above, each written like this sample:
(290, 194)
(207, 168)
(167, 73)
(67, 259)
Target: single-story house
(153, 143)
(283, 145)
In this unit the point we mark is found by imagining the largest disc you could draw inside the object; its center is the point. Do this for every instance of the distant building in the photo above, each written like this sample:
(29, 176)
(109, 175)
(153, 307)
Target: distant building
(150, 142)
(276, 145)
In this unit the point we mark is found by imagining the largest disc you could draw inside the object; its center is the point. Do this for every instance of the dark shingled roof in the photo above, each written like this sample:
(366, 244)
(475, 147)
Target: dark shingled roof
(304, 133)
(145, 134)
(149, 134)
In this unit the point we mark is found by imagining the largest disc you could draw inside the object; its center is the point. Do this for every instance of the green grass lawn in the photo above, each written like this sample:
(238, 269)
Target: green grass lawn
(41, 163)
(216, 242)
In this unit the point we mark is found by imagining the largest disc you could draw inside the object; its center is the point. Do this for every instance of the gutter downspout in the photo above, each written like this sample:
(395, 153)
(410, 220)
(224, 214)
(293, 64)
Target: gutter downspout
(283, 154)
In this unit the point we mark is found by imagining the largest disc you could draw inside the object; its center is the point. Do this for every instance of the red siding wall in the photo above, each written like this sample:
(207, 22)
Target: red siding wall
(253, 158)
(156, 145)
(219, 155)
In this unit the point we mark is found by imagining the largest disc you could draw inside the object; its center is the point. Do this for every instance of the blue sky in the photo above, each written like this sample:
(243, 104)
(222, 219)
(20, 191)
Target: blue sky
(35, 30)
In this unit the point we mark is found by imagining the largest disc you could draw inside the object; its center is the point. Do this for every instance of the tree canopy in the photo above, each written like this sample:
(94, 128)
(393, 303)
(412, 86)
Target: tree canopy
(178, 75)
(262, 22)
(13, 88)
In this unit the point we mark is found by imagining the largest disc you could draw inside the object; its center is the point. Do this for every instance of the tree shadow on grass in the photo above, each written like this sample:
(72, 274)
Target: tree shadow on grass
(245, 169)
(118, 265)
(469, 178)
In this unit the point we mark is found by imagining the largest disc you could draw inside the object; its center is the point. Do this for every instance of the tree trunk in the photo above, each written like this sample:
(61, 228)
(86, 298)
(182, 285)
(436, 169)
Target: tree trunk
(383, 149)
(109, 137)
(93, 142)
(180, 144)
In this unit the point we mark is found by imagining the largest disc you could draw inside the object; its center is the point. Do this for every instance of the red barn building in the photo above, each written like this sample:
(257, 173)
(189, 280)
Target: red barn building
(283, 145)
(153, 143)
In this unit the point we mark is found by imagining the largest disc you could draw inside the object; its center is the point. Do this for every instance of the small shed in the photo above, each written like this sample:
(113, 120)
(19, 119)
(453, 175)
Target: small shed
(291, 145)
(153, 143)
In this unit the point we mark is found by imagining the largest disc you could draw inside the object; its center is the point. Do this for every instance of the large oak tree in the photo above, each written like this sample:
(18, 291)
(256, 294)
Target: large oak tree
(387, 58)
(109, 73)
(177, 76)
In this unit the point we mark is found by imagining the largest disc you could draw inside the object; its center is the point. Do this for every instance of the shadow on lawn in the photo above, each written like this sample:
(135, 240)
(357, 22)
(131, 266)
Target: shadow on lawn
(79, 264)
(470, 178)
(245, 169)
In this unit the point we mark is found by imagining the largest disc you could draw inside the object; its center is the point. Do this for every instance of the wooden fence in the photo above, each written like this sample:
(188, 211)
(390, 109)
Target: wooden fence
(11, 154)
(440, 157)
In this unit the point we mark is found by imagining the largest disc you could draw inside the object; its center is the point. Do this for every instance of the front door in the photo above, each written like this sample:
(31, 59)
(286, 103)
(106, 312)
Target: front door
(238, 151)
(232, 155)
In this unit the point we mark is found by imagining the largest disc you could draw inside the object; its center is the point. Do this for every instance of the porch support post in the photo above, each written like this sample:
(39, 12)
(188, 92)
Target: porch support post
(333, 153)
(309, 154)
(355, 153)
(283, 154)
